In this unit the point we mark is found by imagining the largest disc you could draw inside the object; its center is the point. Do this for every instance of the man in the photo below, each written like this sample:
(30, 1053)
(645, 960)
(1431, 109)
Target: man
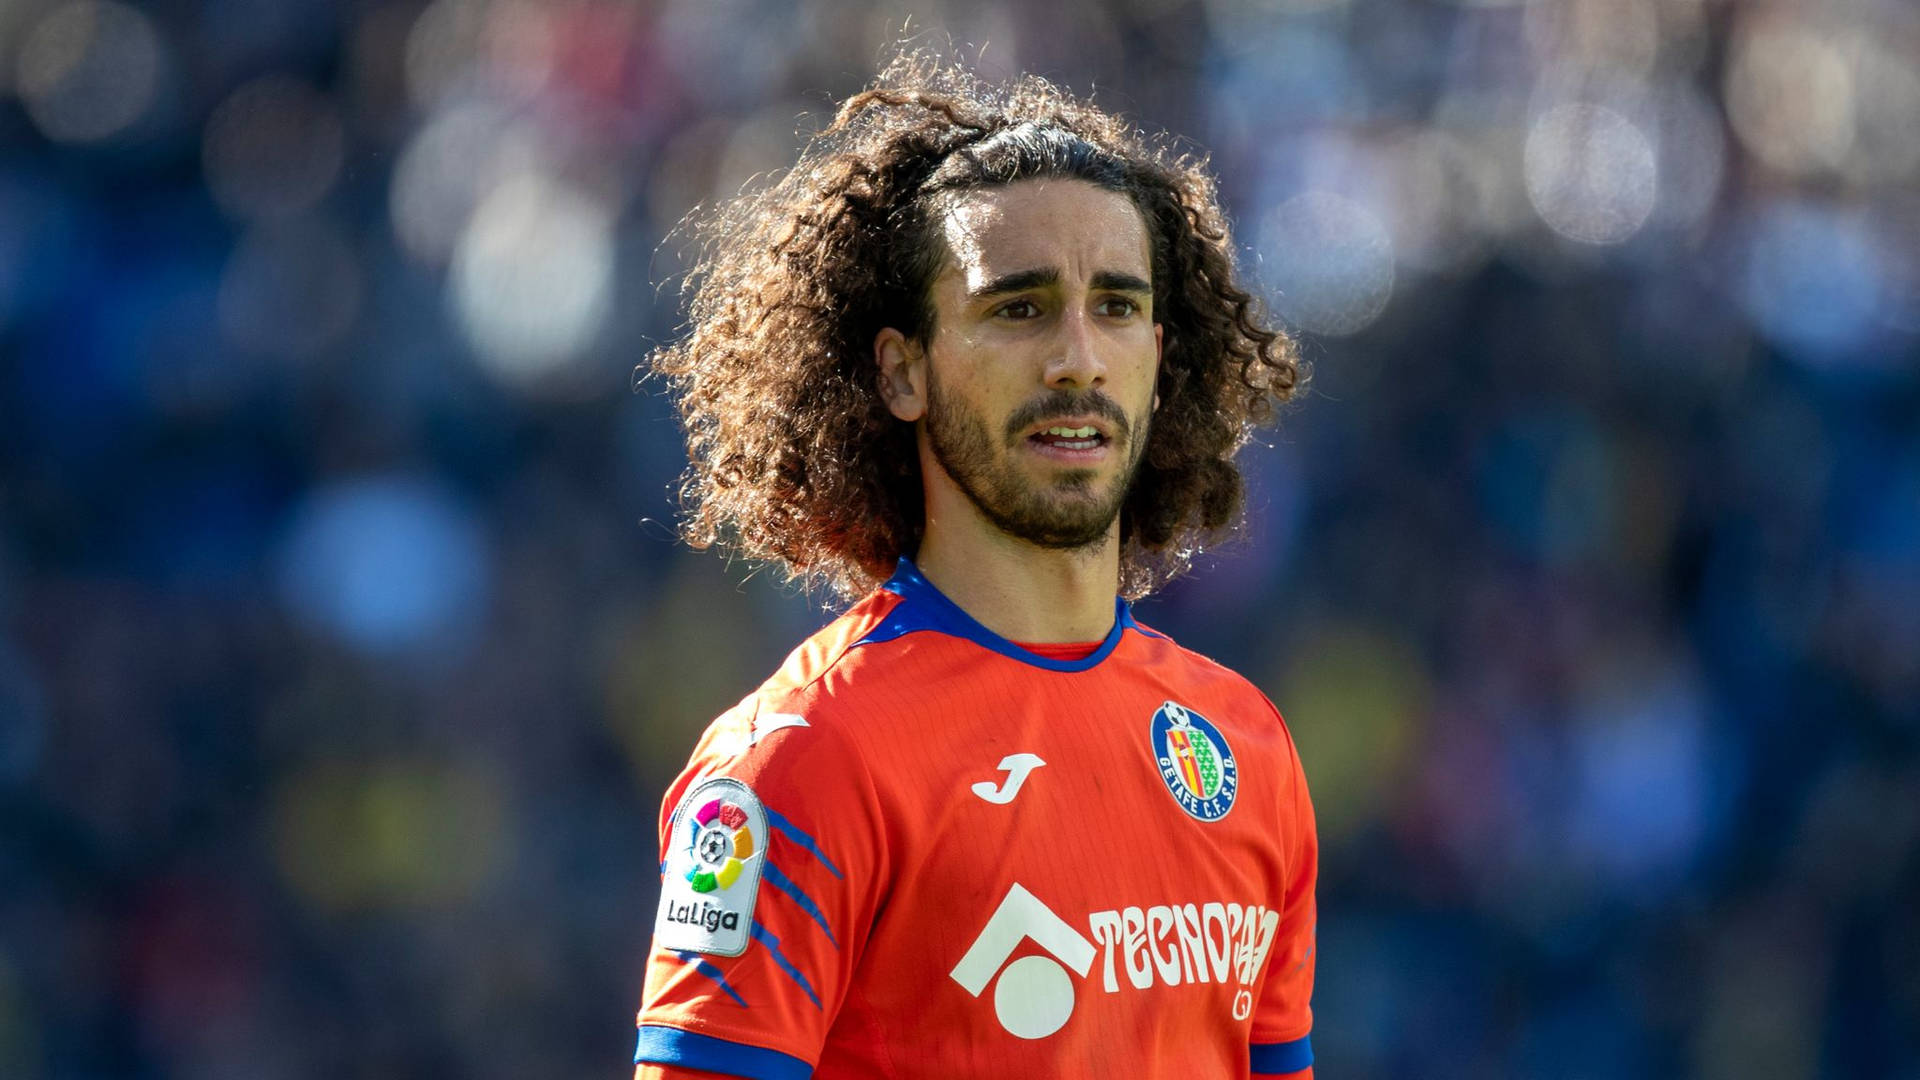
(980, 355)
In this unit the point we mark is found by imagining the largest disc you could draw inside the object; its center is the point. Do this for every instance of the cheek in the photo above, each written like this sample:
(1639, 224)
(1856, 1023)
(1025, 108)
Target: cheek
(968, 374)
(1143, 372)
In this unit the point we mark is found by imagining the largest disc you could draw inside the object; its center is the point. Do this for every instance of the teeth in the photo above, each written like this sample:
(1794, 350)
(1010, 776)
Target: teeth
(1073, 433)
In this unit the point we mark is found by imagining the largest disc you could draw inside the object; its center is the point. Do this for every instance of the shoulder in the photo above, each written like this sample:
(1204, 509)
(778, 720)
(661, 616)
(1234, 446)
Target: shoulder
(828, 651)
(1196, 668)
(1229, 692)
(797, 718)
(863, 671)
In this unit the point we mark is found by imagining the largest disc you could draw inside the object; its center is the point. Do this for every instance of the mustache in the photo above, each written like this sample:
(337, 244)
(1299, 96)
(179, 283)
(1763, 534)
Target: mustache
(1070, 403)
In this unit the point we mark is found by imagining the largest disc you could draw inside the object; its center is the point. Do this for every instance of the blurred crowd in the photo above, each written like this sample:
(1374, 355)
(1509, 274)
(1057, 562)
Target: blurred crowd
(345, 647)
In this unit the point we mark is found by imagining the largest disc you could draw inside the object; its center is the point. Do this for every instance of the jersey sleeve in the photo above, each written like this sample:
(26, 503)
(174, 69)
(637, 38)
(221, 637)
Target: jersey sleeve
(1283, 1019)
(771, 855)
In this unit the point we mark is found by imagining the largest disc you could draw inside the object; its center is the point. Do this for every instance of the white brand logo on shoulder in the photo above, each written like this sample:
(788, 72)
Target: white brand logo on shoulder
(714, 854)
(766, 724)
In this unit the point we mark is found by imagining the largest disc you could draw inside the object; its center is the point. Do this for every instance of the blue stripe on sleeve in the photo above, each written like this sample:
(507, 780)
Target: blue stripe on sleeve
(786, 885)
(661, 1045)
(713, 973)
(765, 937)
(1278, 1059)
(794, 834)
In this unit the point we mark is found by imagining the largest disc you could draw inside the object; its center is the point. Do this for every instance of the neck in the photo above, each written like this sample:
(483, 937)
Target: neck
(1018, 590)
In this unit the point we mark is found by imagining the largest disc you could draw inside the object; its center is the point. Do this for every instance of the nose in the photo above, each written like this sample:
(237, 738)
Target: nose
(1077, 362)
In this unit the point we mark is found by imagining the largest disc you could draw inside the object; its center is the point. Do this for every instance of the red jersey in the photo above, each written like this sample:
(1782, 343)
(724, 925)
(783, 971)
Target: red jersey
(921, 850)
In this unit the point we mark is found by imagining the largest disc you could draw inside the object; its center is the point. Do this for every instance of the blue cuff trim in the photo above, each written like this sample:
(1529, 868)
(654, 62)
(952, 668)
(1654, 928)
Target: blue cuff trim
(662, 1045)
(1278, 1059)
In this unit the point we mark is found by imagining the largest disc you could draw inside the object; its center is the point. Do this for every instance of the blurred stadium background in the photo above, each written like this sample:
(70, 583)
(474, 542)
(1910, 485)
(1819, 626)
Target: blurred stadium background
(346, 649)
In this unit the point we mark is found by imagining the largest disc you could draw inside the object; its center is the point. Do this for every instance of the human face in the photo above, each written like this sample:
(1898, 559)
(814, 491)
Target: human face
(1039, 373)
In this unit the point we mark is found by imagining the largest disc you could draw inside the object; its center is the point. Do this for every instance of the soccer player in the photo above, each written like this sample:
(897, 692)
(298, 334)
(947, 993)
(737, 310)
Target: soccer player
(981, 357)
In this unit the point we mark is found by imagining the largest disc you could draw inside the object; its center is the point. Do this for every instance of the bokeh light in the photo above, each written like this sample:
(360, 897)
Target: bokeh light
(1886, 98)
(386, 564)
(1812, 280)
(735, 53)
(1246, 25)
(1357, 674)
(1641, 811)
(448, 165)
(1330, 263)
(393, 833)
(1591, 173)
(273, 147)
(1790, 94)
(1620, 37)
(89, 69)
(442, 49)
(533, 282)
(1437, 211)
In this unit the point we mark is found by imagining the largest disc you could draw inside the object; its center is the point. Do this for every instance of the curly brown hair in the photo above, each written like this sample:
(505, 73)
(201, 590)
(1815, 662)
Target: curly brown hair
(795, 458)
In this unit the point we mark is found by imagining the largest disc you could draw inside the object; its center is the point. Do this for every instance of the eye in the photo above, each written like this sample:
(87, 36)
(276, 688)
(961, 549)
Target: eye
(1018, 309)
(1118, 306)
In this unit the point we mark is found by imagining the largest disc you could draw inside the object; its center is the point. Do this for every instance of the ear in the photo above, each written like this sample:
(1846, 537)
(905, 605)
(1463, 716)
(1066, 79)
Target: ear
(902, 374)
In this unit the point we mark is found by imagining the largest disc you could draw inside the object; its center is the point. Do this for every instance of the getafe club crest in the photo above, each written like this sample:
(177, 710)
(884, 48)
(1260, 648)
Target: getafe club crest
(713, 869)
(1195, 762)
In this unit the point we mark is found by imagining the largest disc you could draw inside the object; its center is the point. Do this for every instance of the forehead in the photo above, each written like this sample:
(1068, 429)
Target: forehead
(1067, 225)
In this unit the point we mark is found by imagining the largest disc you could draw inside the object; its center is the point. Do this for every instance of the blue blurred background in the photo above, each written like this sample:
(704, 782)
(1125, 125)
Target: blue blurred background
(345, 649)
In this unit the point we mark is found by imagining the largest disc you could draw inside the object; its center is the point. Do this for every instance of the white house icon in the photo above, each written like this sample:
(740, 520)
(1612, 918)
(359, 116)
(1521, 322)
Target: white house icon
(1034, 997)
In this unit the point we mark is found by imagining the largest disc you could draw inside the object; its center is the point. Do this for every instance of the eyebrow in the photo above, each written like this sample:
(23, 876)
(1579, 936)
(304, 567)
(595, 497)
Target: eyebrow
(1017, 281)
(1020, 280)
(1116, 281)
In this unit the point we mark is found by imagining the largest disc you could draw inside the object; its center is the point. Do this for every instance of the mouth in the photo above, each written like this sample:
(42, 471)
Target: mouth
(1073, 439)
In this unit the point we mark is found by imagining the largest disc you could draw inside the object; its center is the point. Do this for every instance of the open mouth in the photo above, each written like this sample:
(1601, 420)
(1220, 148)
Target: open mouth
(1083, 438)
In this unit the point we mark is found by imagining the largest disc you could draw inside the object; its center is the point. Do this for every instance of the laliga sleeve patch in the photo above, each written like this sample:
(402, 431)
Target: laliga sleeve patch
(714, 855)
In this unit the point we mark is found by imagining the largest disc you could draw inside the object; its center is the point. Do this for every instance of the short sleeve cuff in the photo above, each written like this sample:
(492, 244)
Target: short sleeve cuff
(1279, 1059)
(662, 1045)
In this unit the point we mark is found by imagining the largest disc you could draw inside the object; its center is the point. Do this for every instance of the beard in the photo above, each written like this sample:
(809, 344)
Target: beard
(1063, 513)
